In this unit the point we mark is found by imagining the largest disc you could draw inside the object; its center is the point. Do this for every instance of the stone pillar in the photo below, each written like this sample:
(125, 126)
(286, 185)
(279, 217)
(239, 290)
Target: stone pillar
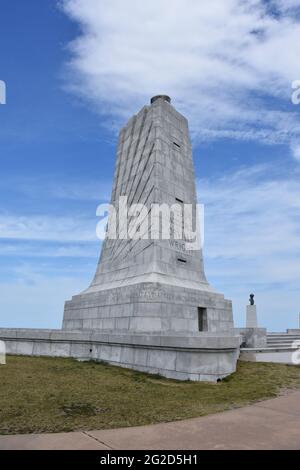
(251, 319)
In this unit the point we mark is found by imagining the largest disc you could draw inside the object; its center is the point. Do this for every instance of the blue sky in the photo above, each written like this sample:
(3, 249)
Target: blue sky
(75, 70)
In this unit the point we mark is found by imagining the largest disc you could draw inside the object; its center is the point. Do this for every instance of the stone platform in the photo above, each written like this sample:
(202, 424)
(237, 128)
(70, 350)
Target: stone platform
(149, 307)
(204, 356)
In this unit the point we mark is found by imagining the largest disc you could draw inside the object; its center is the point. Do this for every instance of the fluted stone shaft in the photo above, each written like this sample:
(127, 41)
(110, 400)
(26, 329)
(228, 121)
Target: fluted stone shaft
(154, 165)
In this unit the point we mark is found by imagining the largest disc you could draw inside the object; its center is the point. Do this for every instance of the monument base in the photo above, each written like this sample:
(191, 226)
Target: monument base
(205, 357)
(251, 319)
(150, 308)
(150, 327)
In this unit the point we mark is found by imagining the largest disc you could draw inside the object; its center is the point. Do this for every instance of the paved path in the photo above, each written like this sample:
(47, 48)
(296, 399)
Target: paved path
(271, 424)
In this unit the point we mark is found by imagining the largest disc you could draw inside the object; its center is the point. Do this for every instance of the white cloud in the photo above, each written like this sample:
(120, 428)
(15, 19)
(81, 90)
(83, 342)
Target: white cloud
(220, 61)
(54, 188)
(49, 228)
(285, 5)
(59, 249)
(65, 227)
(295, 148)
(252, 213)
(37, 301)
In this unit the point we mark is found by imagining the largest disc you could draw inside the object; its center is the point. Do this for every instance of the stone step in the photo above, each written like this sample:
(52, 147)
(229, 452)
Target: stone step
(281, 340)
(284, 340)
(283, 337)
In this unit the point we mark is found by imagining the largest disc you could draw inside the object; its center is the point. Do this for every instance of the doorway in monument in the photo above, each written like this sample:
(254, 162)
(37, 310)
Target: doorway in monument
(202, 319)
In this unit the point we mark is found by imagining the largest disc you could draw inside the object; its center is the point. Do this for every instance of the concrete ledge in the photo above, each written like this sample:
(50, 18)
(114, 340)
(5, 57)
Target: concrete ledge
(269, 349)
(280, 355)
(204, 357)
(201, 341)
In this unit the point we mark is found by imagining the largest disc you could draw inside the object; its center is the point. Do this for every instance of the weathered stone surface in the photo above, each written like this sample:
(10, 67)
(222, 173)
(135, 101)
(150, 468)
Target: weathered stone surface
(251, 321)
(252, 337)
(203, 357)
(139, 285)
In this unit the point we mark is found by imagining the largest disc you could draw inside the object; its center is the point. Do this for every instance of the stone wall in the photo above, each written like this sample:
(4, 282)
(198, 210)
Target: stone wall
(205, 357)
(252, 337)
(149, 308)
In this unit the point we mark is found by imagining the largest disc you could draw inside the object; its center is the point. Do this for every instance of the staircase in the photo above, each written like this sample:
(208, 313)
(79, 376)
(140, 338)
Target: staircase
(282, 340)
(281, 348)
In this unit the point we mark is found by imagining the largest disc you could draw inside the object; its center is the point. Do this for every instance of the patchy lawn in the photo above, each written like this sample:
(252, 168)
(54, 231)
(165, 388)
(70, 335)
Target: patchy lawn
(54, 394)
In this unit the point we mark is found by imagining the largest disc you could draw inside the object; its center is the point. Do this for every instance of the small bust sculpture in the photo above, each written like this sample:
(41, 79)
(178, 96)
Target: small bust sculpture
(251, 300)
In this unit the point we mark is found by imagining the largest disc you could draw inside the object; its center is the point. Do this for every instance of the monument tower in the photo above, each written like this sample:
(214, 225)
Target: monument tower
(149, 306)
(151, 285)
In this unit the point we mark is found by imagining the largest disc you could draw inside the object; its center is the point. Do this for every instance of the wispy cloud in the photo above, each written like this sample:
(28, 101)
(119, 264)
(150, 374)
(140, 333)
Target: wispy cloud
(53, 188)
(295, 148)
(36, 300)
(58, 249)
(251, 212)
(252, 240)
(49, 228)
(228, 65)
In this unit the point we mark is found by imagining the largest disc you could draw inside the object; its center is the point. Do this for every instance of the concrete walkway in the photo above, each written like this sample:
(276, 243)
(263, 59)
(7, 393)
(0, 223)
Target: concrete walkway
(271, 424)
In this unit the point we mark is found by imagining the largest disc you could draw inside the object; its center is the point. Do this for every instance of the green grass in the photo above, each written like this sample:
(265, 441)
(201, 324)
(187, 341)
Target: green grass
(54, 395)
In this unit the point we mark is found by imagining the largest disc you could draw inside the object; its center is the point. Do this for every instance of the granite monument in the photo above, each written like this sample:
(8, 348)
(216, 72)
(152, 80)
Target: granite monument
(149, 306)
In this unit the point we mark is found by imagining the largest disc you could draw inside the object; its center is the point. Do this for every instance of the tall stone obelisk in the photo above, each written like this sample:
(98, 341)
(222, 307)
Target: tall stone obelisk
(151, 285)
(149, 307)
